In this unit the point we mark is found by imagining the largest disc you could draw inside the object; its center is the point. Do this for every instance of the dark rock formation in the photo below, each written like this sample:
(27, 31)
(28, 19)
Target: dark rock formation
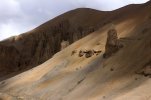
(112, 44)
(89, 53)
(81, 53)
(8, 60)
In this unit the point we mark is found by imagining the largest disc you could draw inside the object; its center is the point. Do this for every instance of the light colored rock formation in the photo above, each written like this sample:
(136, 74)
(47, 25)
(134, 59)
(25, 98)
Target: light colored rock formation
(64, 44)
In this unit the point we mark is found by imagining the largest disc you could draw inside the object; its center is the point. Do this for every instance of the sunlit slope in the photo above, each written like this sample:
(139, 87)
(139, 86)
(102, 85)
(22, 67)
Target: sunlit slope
(66, 77)
(36, 46)
(70, 77)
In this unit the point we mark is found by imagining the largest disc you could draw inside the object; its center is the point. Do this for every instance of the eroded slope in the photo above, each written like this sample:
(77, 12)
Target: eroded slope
(66, 77)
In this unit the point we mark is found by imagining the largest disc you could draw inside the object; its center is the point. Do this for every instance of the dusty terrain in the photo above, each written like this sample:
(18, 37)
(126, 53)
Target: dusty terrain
(34, 47)
(125, 75)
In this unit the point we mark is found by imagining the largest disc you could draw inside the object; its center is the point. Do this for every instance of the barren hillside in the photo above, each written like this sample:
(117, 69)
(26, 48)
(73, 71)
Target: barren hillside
(33, 48)
(125, 75)
(36, 46)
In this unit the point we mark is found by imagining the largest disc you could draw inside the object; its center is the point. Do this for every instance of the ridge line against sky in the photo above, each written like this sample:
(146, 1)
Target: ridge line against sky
(19, 16)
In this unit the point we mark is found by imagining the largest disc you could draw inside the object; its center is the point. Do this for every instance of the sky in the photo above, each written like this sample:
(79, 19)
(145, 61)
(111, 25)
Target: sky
(19, 16)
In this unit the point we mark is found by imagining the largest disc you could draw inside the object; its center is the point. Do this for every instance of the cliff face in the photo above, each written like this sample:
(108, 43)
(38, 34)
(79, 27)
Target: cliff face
(9, 58)
(30, 49)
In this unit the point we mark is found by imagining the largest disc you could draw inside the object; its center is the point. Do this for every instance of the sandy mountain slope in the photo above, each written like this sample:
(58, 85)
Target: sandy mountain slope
(40, 44)
(66, 77)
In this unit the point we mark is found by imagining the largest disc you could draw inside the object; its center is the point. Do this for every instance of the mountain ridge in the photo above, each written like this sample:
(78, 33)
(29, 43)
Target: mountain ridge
(40, 44)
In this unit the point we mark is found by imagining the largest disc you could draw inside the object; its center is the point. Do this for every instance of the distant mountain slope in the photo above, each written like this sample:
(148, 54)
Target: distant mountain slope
(40, 44)
(70, 77)
(36, 46)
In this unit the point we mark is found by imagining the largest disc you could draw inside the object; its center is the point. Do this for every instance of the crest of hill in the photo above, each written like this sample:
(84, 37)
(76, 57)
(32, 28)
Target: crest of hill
(40, 44)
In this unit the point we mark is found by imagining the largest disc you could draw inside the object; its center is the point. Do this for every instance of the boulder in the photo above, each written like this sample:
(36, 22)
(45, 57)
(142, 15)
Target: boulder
(89, 53)
(81, 53)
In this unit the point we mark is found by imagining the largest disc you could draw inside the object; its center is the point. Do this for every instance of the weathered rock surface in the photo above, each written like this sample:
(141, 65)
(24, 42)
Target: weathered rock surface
(112, 44)
(66, 77)
(88, 53)
(9, 57)
(30, 49)
(40, 44)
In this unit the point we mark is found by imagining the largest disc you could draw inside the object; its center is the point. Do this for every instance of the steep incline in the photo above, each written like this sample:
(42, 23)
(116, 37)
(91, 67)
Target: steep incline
(35, 47)
(119, 77)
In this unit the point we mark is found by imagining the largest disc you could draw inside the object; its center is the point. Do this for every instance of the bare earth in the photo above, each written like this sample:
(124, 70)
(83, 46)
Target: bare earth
(66, 77)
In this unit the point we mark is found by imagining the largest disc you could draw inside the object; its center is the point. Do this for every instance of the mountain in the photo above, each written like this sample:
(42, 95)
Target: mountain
(40, 44)
(33, 48)
(124, 75)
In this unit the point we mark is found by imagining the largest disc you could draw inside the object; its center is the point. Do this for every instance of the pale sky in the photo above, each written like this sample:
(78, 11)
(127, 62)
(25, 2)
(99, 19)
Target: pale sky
(19, 16)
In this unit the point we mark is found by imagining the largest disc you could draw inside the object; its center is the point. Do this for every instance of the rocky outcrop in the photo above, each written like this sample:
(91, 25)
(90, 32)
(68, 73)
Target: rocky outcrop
(88, 53)
(113, 44)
